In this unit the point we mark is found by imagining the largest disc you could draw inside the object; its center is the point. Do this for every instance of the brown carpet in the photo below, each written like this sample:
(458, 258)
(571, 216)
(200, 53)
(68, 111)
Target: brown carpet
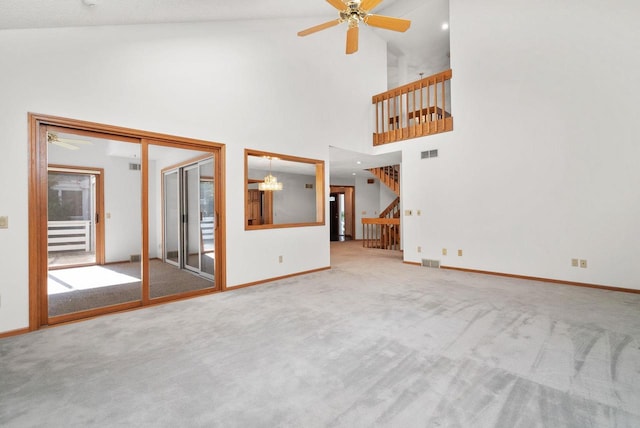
(165, 280)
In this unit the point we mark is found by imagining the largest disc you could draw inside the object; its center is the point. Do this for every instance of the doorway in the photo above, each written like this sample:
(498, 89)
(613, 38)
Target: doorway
(342, 213)
(75, 227)
(116, 207)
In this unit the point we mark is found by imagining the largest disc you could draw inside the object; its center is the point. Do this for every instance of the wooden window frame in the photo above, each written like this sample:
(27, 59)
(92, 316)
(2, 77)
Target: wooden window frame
(319, 188)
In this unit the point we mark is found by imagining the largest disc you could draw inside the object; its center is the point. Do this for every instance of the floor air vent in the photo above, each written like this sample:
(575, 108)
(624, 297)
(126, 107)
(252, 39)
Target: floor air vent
(431, 263)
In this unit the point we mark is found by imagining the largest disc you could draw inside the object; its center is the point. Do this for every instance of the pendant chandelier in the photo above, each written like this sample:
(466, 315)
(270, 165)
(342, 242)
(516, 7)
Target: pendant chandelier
(270, 182)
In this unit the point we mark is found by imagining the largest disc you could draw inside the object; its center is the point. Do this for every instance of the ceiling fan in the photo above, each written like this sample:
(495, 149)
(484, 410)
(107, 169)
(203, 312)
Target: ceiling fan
(67, 143)
(355, 12)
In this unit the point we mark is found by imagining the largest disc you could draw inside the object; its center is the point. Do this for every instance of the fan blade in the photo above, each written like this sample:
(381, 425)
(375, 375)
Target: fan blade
(65, 145)
(318, 28)
(387, 22)
(338, 4)
(352, 39)
(367, 5)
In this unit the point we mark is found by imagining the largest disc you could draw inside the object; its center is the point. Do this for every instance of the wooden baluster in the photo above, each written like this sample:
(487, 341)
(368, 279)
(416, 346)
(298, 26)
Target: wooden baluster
(412, 133)
(428, 115)
(388, 120)
(443, 100)
(401, 114)
(444, 110)
(435, 102)
(393, 117)
(375, 138)
(364, 235)
(420, 119)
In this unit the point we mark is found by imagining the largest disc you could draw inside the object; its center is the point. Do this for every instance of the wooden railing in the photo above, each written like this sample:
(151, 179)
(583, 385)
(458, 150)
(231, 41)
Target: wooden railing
(393, 210)
(381, 233)
(389, 176)
(413, 110)
(69, 235)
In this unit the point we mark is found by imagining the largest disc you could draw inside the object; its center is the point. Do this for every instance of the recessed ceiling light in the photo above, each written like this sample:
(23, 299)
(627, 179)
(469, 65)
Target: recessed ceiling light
(353, 173)
(445, 26)
(358, 162)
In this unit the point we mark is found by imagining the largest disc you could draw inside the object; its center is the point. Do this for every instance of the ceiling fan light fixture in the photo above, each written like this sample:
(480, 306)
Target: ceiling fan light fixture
(356, 11)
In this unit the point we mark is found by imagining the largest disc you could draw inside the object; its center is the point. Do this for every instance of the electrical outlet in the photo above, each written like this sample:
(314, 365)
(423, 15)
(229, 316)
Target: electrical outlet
(583, 263)
(574, 262)
(279, 259)
(419, 249)
(418, 212)
(4, 222)
(444, 251)
(459, 253)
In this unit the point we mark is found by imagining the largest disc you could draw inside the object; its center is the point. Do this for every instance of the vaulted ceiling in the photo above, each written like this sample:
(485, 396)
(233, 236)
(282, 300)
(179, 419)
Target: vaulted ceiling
(424, 48)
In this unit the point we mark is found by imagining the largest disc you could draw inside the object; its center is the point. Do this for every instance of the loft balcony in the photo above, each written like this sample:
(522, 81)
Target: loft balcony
(414, 110)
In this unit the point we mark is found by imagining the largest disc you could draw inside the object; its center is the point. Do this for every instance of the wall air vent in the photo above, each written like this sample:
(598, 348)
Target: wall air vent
(134, 258)
(135, 167)
(429, 154)
(431, 263)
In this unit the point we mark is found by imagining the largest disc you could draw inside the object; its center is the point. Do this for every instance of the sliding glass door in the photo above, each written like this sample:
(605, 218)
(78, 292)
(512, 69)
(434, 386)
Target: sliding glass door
(119, 218)
(189, 217)
(188, 207)
(94, 227)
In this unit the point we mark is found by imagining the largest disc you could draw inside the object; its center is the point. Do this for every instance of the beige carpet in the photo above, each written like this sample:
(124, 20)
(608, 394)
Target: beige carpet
(370, 343)
(165, 280)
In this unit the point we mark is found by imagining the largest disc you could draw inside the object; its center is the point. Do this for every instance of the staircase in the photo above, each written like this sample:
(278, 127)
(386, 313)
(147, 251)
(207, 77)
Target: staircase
(384, 231)
(389, 175)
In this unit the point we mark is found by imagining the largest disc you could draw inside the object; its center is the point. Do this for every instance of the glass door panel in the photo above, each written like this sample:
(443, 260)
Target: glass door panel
(192, 236)
(71, 218)
(207, 223)
(171, 218)
(181, 233)
(94, 200)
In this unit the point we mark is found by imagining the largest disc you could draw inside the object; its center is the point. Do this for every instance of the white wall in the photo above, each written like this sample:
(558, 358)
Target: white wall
(367, 201)
(542, 166)
(296, 203)
(244, 84)
(386, 197)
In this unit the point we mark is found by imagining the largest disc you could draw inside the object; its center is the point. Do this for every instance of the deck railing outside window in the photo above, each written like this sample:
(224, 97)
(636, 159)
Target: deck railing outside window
(69, 235)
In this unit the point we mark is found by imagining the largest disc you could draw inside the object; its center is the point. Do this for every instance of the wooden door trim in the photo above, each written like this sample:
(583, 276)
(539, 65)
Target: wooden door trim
(38, 191)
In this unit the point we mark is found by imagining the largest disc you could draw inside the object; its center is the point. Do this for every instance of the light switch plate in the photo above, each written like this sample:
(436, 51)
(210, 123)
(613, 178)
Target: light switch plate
(4, 222)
